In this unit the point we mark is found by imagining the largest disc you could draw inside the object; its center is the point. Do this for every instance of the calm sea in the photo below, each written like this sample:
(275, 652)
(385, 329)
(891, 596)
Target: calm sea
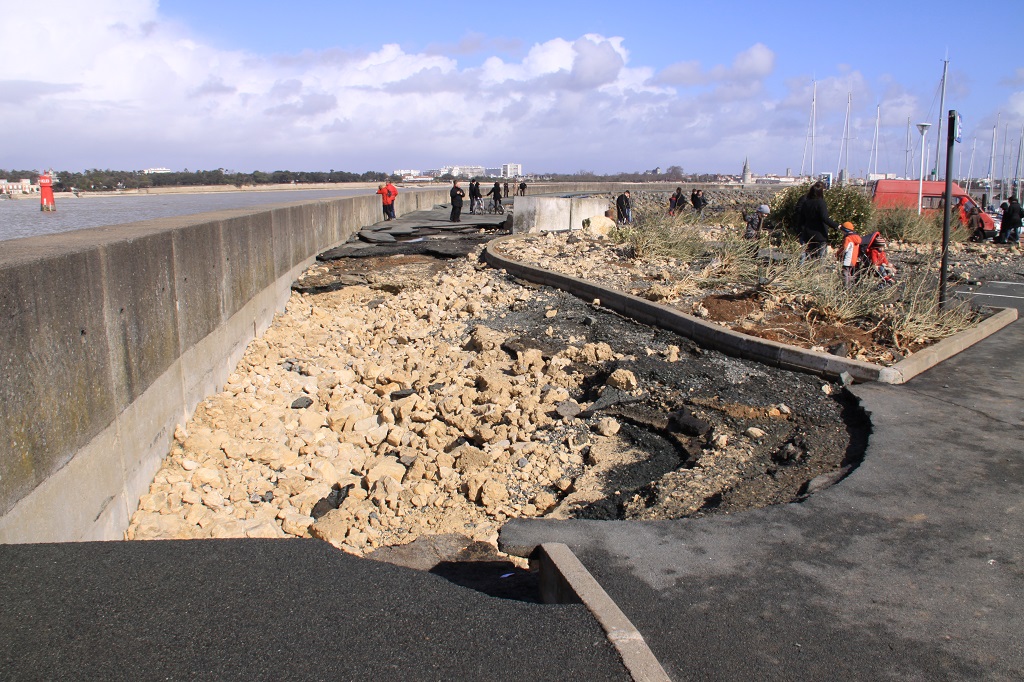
(22, 217)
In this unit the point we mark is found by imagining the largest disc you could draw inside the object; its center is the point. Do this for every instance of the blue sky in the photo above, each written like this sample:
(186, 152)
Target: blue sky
(561, 87)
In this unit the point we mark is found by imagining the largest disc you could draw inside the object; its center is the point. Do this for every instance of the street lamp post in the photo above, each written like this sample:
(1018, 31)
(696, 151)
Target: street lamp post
(923, 127)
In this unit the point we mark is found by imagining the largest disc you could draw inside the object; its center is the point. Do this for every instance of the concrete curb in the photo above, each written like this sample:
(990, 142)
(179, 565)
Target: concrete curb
(741, 345)
(947, 348)
(565, 580)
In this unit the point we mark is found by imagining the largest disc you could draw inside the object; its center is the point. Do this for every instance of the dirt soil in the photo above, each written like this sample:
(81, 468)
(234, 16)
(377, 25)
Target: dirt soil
(713, 434)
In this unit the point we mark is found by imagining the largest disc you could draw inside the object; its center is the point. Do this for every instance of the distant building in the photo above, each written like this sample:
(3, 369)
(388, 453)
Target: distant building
(23, 186)
(747, 177)
(406, 173)
(511, 170)
(151, 171)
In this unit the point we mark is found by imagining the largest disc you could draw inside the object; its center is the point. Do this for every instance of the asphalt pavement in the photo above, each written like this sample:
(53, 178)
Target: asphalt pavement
(911, 568)
(272, 610)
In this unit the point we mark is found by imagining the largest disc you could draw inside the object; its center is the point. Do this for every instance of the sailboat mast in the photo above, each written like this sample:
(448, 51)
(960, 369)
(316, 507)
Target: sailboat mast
(992, 160)
(942, 115)
(910, 153)
(814, 113)
(970, 166)
(845, 142)
(1016, 170)
(873, 156)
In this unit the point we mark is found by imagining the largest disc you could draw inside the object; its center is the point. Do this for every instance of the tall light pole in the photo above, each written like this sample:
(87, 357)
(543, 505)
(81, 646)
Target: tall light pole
(923, 127)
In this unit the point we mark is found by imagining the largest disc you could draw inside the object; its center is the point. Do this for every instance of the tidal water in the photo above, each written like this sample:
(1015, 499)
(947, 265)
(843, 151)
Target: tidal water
(22, 217)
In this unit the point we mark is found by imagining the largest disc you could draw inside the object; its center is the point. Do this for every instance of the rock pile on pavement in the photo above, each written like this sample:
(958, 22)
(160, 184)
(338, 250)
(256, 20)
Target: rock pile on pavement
(367, 420)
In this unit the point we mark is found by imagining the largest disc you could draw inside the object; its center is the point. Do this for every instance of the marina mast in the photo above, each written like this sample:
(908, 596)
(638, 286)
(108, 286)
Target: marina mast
(942, 115)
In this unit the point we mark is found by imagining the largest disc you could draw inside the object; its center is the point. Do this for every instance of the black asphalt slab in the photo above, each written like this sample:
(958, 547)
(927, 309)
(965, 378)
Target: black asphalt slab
(271, 610)
(911, 568)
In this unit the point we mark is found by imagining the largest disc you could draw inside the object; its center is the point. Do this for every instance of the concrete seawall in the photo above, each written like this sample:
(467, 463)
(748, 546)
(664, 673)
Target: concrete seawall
(111, 336)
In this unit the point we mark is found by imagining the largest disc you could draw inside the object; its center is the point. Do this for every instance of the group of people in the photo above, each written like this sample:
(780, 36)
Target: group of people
(677, 201)
(812, 224)
(476, 197)
(388, 193)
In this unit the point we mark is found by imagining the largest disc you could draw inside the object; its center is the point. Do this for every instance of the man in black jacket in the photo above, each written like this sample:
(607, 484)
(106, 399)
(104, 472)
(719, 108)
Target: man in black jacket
(1013, 216)
(456, 193)
(624, 208)
(815, 221)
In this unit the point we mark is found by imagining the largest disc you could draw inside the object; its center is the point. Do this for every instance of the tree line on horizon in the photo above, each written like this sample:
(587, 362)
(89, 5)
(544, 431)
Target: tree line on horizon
(96, 179)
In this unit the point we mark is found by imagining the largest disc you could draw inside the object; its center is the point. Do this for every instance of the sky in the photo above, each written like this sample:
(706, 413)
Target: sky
(558, 87)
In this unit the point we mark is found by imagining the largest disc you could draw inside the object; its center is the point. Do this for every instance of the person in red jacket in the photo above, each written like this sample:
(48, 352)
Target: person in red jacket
(849, 252)
(384, 194)
(389, 204)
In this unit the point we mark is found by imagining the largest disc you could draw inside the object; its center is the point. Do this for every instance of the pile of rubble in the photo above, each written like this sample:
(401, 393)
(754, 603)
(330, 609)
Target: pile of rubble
(365, 421)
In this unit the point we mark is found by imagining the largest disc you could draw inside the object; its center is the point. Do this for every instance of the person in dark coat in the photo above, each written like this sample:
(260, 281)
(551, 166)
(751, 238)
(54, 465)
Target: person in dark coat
(624, 208)
(456, 193)
(496, 194)
(475, 198)
(1013, 217)
(506, 189)
(815, 221)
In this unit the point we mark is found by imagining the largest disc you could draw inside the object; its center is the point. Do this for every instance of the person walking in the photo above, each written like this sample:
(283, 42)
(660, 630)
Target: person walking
(456, 193)
(624, 208)
(496, 194)
(1013, 217)
(815, 221)
(506, 189)
(475, 198)
(390, 204)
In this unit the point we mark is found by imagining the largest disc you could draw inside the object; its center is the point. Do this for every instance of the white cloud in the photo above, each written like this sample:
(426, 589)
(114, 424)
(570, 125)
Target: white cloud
(116, 84)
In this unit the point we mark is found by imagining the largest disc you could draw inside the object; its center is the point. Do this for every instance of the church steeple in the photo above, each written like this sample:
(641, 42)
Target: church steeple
(747, 175)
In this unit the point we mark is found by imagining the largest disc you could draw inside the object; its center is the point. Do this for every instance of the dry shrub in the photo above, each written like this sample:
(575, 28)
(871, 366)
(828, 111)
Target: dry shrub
(654, 233)
(917, 319)
(902, 223)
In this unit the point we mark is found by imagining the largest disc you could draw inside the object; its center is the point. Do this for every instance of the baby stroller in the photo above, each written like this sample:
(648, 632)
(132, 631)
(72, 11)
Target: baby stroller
(874, 260)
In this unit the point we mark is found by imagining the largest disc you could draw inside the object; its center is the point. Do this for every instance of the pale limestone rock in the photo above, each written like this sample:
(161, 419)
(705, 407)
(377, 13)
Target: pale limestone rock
(263, 529)
(755, 433)
(332, 527)
(307, 499)
(154, 526)
(543, 501)
(470, 459)
(276, 456)
(623, 379)
(297, 524)
(600, 227)
(606, 426)
(493, 494)
(388, 466)
(208, 476)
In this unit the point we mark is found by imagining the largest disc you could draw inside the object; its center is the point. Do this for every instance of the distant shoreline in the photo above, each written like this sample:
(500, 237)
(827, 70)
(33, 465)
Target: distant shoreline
(209, 189)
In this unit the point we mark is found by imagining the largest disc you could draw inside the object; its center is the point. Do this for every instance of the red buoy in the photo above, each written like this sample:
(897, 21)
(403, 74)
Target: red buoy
(46, 202)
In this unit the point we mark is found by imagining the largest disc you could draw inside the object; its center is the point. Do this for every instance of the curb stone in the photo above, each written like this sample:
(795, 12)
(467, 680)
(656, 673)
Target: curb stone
(565, 580)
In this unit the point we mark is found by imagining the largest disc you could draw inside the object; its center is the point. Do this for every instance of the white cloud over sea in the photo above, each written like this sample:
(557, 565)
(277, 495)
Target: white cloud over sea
(114, 84)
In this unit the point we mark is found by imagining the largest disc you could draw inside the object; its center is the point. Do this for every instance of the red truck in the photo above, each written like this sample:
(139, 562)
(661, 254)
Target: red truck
(889, 193)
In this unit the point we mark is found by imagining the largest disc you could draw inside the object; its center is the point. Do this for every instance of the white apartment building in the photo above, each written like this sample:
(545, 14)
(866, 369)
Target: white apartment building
(511, 170)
